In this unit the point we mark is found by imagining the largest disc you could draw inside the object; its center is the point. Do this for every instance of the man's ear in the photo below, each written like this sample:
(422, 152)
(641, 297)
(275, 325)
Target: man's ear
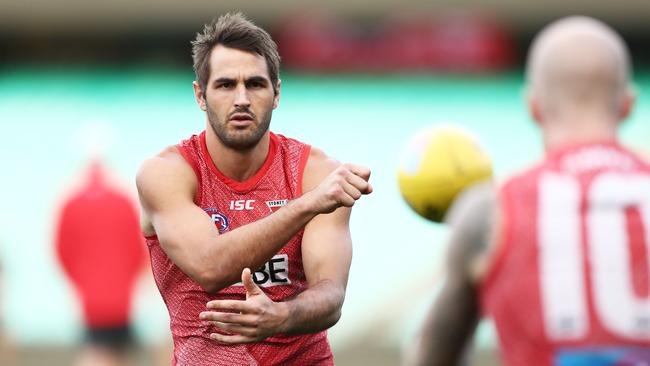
(533, 106)
(200, 98)
(276, 98)
(629, 99)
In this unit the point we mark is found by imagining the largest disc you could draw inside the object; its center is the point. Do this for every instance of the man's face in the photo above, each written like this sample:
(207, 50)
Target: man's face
(239, 98)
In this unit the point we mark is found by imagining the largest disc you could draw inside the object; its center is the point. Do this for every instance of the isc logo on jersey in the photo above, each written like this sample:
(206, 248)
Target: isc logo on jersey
(241, 205)
(274, 272)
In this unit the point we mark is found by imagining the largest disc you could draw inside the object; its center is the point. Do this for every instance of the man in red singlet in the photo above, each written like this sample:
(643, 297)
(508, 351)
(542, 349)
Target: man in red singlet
(248, 230)
(558, 254)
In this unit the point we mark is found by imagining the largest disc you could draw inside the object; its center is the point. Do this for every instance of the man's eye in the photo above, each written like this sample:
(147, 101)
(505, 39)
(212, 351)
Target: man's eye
(225, 86)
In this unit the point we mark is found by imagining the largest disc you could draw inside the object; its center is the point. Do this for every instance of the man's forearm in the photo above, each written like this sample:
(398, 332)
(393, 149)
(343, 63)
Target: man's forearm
(251, 245)
(315, 309)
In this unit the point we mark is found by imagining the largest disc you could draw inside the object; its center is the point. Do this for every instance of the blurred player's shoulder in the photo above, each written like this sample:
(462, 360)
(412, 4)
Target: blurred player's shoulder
(474, 218)
(472, 203)
(523, 173)
(642, 154)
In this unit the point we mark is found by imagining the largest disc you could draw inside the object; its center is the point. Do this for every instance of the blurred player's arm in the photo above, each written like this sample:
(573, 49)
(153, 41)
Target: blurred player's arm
(167, 186)
(326, 254)
(452, 320)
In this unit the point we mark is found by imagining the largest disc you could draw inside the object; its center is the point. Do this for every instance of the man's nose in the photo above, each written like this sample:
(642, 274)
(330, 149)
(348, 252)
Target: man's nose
(241, 97)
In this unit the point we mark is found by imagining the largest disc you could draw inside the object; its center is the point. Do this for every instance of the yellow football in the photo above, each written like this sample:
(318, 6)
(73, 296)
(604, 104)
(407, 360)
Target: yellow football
(436, 165)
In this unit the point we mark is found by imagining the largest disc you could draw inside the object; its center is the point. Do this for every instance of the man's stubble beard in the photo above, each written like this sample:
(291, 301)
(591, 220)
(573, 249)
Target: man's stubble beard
(238, 140)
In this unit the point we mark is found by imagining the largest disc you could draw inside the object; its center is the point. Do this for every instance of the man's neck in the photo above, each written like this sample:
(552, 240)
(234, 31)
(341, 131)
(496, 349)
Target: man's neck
(239, 165)
(579, 129)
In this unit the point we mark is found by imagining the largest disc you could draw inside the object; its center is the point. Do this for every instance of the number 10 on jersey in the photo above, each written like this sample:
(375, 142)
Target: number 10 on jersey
(599, 216)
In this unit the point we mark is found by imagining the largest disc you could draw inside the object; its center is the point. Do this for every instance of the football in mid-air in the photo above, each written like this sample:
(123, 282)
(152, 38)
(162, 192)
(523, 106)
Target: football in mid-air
(437, 164)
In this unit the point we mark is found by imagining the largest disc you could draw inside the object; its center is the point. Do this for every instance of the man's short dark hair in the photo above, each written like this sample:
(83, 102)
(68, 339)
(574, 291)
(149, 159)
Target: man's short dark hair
(235, 31)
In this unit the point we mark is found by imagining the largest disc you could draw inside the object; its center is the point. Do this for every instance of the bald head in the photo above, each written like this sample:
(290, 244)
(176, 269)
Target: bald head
(578, 63)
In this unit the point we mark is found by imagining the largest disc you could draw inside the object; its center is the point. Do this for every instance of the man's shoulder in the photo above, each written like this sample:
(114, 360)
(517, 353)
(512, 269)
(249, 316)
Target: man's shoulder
(319, 159)
(318, 166)
(473, 205)
(525, 173)
(168, 157)
(473, 218)
(167, 165)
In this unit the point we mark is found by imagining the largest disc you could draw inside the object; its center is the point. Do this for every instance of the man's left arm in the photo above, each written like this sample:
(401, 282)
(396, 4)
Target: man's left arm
(326, 255)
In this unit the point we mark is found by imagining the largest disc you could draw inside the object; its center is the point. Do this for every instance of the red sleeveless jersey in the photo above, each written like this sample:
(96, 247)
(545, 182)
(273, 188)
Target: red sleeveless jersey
(232, 204)
(570, 281)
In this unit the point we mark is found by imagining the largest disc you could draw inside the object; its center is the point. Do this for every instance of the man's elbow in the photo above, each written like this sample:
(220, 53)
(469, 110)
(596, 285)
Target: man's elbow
(208, 285)
(334, 318)
(211, 279)
(335, 314)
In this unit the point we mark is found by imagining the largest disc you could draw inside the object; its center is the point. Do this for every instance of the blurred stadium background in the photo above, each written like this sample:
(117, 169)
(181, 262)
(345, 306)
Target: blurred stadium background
(359, 78)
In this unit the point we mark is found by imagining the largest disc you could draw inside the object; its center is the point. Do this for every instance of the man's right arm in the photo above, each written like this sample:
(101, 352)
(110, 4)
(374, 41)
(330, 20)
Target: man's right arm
(166, 186)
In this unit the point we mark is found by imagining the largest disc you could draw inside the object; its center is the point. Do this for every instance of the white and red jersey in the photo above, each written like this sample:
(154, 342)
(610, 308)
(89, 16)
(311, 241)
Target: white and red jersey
(232, 204)
(569, 284)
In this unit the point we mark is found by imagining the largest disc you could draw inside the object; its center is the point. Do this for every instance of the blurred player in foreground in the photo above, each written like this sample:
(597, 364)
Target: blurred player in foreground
(240, 203)
(558, 255)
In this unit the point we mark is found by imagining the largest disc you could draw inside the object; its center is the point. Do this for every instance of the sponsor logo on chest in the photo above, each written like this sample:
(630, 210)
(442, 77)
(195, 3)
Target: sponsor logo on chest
(275, 272)
(274, 205)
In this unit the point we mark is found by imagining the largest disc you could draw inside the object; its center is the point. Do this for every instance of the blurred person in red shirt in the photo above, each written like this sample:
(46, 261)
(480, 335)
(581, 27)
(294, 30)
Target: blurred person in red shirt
(557, 255)
(101, 250)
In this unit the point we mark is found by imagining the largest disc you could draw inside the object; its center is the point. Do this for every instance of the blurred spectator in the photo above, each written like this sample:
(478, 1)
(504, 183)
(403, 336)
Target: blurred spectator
(99, 245)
